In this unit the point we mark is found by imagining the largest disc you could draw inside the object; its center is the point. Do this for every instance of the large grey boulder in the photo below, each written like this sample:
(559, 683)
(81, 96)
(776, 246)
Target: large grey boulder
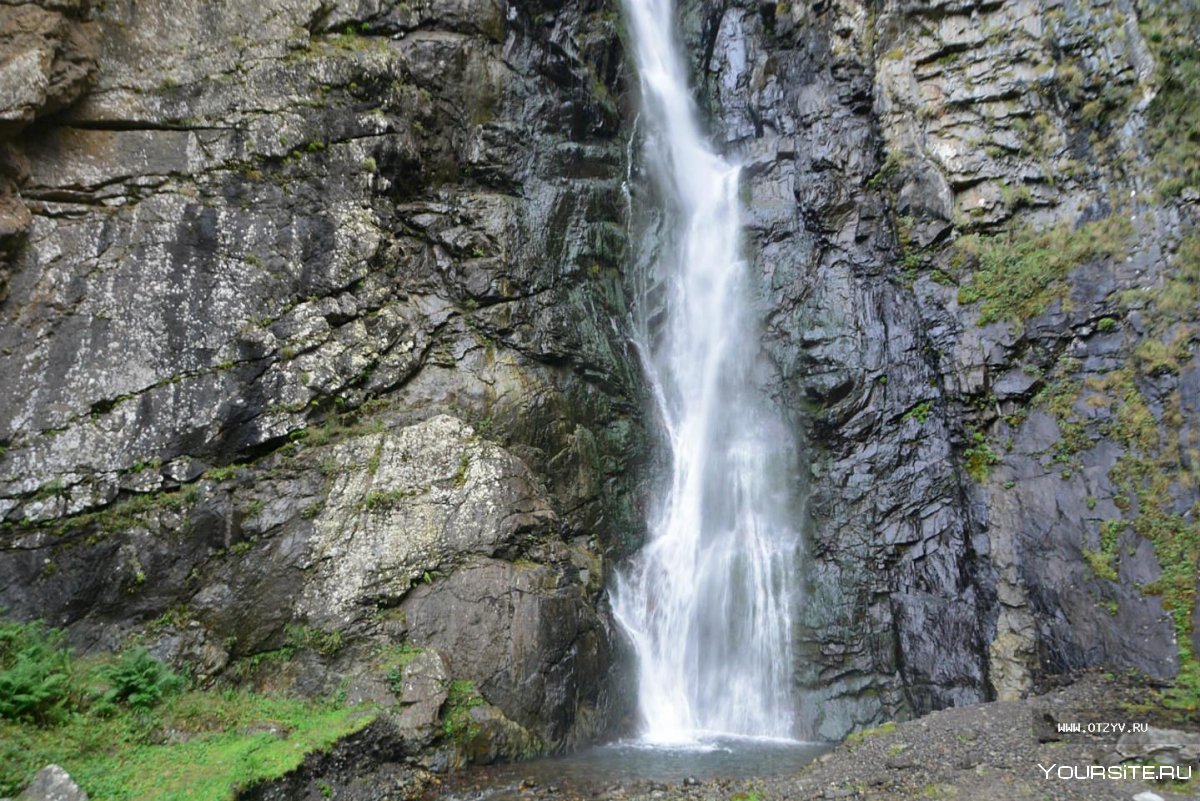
(52, 783)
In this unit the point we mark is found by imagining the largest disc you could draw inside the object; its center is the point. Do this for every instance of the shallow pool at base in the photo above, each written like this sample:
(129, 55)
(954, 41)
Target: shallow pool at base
(631, 763)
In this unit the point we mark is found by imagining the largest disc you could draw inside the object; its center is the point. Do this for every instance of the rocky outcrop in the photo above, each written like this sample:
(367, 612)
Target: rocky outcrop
(314, 313)
(47, 59)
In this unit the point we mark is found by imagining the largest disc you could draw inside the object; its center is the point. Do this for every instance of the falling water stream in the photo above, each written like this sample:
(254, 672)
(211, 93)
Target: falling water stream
(708, 602)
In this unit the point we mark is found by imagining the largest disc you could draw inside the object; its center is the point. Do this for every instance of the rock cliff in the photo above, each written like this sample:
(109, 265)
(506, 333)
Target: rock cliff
(312, 341)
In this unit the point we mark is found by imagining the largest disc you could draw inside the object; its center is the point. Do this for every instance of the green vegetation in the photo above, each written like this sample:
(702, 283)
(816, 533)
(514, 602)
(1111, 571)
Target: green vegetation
(137, 680)
(1172, 30)
(1154, 357)
(464, 464)
(1144, 478)
(889, 170)
(1018, 274)
(920, 412)
(857, 737)
(1184, 695)
(35, 670)
(223, 473)
(457, 724)
(1103, 561)
(1178, 298)
(126, 729)
(385, 499)
(325, 643)
(1101, 564)
(979, 457)
(404, 656)
(123, 515)
(1015, 198)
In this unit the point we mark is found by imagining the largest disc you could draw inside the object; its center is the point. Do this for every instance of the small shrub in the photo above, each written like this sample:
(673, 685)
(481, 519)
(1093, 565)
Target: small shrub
(325, 643)
(980, 457)
(920, 412)
(35, 673)
(457, 724)
(138, 680)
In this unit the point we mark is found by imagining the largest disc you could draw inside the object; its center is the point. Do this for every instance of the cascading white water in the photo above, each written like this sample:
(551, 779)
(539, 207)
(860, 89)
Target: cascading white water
(708, 601)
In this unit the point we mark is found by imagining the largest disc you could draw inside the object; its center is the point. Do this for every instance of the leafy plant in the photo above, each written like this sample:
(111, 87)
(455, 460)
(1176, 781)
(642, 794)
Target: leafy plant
(457, 724)
(405, 654)
(979, 457)
(325, 643)
(138, 680)
(35, 673)
(920, 412)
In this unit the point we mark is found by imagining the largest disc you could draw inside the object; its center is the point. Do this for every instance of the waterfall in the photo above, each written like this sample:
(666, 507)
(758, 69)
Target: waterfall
(708, 601)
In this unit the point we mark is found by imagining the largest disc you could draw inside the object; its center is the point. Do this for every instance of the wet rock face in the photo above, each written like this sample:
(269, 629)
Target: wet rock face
(893, 615)
(309, 304)
(983, 437)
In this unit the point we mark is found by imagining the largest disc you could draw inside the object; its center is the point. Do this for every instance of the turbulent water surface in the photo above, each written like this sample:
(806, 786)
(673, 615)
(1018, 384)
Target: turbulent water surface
(709, 601)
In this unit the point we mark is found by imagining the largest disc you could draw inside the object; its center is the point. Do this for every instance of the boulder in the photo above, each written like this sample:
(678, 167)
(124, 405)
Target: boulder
(52, 783)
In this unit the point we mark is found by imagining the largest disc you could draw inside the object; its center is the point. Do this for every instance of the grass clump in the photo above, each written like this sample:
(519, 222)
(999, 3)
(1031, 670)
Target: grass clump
(1101, 564)
(1179, 297)
(405, 654)
(858, 737)
(325, 643)
(1018, 274)
(1103, 561)
(1184, 695)
(385, 499)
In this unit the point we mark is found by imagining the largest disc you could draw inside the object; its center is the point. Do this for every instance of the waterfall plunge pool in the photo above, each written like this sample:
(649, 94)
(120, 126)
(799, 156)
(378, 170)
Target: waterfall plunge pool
(632, 765)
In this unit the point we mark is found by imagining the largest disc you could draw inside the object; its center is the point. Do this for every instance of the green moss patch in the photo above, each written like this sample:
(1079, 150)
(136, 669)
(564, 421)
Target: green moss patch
(857, 737)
